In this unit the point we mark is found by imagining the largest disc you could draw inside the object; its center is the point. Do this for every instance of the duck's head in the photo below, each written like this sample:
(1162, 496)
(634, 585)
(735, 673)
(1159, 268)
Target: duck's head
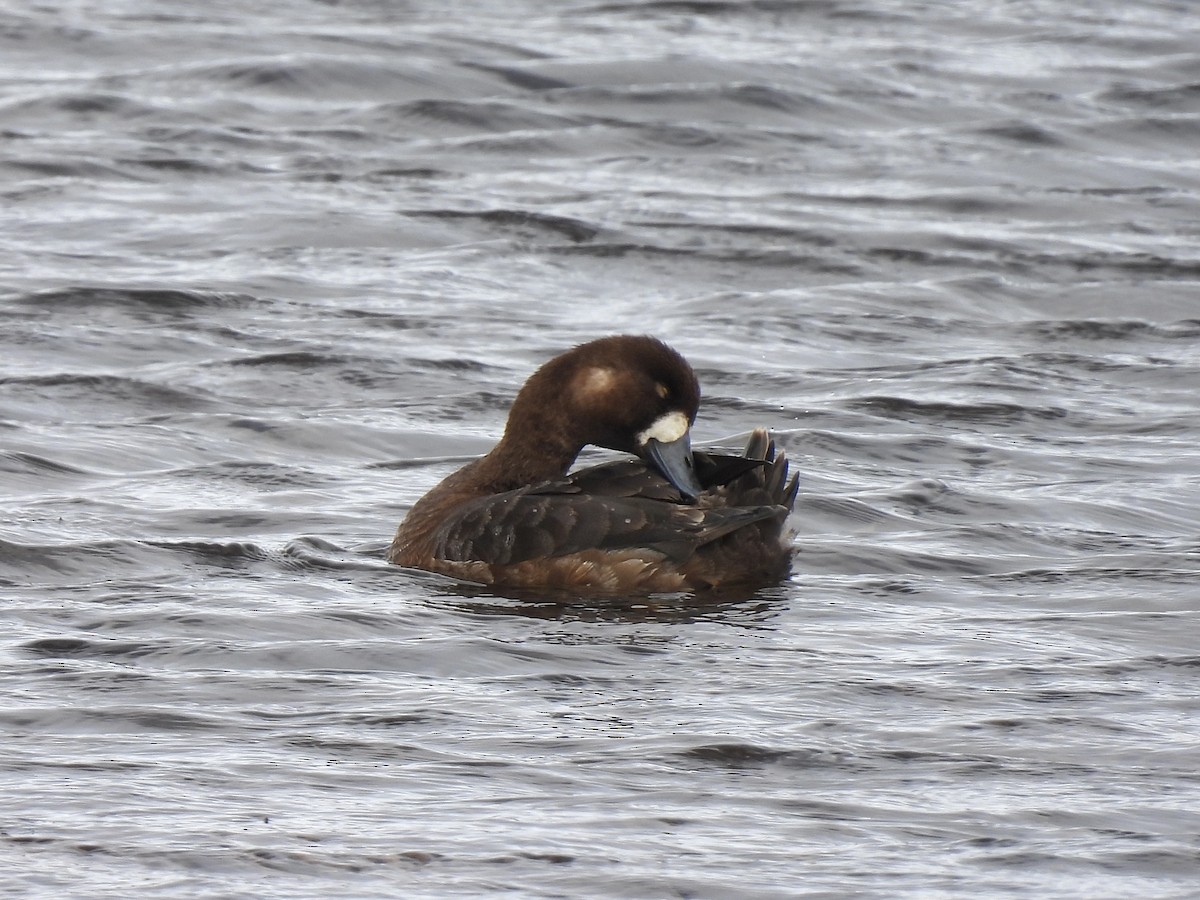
(628, 393)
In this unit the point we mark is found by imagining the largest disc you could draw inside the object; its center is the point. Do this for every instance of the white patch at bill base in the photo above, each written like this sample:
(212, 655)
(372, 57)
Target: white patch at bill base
(666, 429)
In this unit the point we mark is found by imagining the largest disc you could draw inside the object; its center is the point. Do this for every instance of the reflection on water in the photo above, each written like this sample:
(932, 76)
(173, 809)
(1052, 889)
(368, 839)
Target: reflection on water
(731, 607)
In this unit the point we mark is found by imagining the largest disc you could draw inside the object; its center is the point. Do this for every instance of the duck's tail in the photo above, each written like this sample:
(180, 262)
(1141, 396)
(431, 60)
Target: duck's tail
(768, 484)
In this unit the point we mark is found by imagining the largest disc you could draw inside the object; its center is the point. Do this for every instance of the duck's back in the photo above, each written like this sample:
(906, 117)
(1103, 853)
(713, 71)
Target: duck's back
(620, 527)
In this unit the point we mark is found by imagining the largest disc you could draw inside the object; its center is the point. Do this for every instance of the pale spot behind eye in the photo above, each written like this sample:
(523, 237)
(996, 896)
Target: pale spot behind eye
(595, 381)
(665, 429)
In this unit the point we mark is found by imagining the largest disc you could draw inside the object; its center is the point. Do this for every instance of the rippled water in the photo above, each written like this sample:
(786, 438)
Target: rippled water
(270, 272)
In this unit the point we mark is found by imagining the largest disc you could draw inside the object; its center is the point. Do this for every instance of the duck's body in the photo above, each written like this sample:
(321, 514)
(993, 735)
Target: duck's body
(669, 521)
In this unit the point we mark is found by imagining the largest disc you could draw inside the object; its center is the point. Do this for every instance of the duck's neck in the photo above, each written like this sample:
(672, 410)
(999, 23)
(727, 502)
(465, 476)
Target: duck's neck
(513, 463)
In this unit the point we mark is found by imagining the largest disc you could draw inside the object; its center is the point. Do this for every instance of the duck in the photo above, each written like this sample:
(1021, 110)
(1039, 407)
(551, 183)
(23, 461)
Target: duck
(665, 520)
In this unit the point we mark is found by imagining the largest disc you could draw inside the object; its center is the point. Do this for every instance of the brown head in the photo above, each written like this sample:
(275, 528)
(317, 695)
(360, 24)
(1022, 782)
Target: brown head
(628, 393)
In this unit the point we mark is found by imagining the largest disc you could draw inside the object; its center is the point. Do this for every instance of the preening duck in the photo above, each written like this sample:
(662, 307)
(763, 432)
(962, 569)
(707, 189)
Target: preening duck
(669, 520)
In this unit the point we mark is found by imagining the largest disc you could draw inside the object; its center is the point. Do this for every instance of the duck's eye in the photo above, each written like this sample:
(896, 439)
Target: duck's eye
(662, 390)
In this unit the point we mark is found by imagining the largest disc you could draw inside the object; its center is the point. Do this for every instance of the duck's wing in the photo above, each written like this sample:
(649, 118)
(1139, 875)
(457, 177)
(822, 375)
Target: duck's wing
(541, 523)
(622, 505)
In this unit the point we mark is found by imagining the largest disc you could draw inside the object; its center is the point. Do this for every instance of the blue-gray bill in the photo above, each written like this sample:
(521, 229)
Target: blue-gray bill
(674, 462)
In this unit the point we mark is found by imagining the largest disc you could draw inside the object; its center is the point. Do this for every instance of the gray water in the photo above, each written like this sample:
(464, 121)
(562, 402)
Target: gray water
(270, 271)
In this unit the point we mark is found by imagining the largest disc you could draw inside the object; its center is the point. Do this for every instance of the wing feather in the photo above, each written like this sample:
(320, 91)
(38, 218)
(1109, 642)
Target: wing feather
(535, 524)
(621, 506)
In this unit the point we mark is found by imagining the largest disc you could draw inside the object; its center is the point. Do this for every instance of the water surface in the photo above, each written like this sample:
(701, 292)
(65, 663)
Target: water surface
(269, 274)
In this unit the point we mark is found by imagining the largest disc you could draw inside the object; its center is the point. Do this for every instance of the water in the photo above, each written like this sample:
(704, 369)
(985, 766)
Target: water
(270, 272)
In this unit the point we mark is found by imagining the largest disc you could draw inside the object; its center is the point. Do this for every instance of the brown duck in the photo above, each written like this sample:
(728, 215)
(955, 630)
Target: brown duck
(670, 520)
